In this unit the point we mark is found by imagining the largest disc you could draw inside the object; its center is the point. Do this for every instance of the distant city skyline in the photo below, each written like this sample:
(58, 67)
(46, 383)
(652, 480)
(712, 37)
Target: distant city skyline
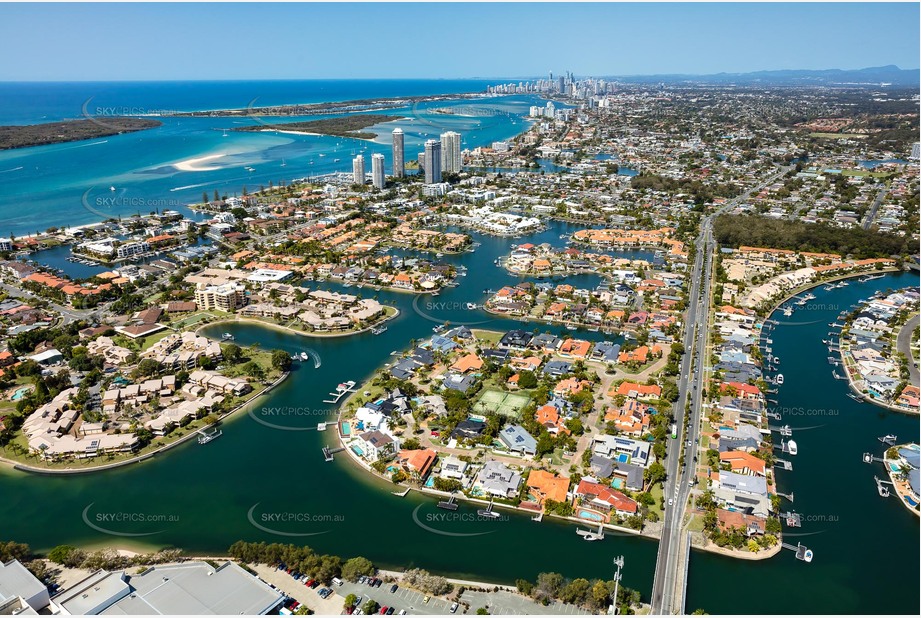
(86, 42)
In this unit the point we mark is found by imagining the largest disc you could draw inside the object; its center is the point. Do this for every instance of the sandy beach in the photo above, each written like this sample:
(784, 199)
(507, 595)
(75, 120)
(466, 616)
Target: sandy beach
(195, 165)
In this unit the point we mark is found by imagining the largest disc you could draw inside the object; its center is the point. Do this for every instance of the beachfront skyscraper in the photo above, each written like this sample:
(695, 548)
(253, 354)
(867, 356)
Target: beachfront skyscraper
(358, 170)
(432, 161)
(451, 152)
(398, 153)
(377, 170)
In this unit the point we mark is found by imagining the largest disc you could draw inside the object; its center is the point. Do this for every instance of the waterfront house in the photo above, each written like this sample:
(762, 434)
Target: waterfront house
(543, 486)
(417, 462)
(751, 525)
(497, 479)
(515, 340)
(453, 468)
(743, 483)
(759, 506)
(373, 445)
(743, 463)
(594, 495)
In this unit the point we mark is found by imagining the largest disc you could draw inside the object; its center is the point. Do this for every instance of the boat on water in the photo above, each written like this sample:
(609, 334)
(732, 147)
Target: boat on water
(207, 436)
(345, 386)
(788, 311)
(377, 330)
(791, 447)
(226, 337)
(303, 356)
(855, 397)
(779, 379)
(488, 513)
(888, 439)
(471, 306)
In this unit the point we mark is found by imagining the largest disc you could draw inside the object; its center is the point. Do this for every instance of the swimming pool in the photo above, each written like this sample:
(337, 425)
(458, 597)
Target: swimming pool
(346, 428)
(430, 482)
(20, 393)
(617, 483)
(894, 467)
(357, 450)
(590, 515)
(623, 458)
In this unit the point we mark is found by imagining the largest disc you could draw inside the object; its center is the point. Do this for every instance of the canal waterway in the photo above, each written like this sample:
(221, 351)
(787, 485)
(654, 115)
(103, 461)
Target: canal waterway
(259, 482)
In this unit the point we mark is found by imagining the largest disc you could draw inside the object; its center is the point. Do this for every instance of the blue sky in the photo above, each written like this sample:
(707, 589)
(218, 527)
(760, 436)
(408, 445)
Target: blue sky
(427, 40)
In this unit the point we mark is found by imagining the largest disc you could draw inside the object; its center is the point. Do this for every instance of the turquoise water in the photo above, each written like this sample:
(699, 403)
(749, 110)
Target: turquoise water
(590, 515)
(72, 180)
(20, 393)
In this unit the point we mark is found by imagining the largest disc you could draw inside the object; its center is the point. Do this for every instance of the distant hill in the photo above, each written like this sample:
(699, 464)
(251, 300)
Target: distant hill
(889, 74)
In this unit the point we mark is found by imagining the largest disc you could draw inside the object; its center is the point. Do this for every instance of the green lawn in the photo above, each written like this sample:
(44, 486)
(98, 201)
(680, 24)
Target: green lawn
(489, 336)
(152, 339)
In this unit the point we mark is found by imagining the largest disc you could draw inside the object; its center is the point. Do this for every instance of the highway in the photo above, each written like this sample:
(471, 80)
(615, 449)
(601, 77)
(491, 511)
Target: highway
(668, 584)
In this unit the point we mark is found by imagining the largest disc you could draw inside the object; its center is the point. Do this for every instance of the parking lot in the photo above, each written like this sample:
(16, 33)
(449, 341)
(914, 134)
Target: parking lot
(403, 598)
(331, 605)
(505, 603)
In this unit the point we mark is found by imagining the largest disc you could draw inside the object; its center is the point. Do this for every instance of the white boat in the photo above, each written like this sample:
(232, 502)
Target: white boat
(377, 330)
(471, 306)
(791, 447)
(304, 356)
(207, 436)
(779, 379)
(112, 188)
(345, 386)
(226, 337)
(808, 555)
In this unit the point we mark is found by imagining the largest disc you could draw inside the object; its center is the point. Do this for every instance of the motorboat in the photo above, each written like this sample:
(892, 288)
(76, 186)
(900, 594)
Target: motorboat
(779, 379)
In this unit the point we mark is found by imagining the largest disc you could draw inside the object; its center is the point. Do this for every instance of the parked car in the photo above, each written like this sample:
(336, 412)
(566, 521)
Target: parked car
(377, 582)
(402, 612)
(337, 581)
(383, 610)
(389, 611)
(453, 607)
(426, 599)
(394, 588)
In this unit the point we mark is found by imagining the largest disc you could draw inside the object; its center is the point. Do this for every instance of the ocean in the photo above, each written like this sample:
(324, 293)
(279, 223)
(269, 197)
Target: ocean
(172, 165)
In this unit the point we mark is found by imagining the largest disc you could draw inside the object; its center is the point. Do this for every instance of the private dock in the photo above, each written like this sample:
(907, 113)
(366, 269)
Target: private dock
(449, 505)
(401, 494)
(488, 512)
(783, 464)
(792, 519)
(870, 458)
(788, 496)
(329, 452)
(773, 415)
(802, 552)
(341, 391)
(592, 535)
(783, 430)
(881, 486)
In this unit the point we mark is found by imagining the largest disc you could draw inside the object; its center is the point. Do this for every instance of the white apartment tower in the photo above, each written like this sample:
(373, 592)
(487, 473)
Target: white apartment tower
(377, 170)
(358, 170)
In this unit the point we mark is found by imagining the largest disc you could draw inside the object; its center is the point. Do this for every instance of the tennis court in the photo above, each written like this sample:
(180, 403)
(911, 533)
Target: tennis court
(506, 404)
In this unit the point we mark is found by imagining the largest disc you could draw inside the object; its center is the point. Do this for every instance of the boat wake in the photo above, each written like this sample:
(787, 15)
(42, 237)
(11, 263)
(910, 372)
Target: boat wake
(15, 169)
(201, 184)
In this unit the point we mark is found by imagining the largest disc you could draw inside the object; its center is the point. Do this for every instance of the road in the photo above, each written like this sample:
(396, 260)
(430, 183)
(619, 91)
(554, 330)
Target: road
(903, 345)
(667, 595)
(69, 314)
(871, 214)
